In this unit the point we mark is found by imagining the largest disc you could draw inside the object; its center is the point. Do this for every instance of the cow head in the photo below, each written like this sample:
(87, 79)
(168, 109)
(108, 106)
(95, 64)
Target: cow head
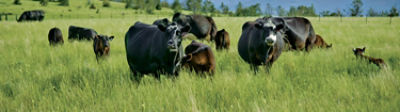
(359, 51)
(181, 19)
(101, 45)
(270, 30)
(174, 33)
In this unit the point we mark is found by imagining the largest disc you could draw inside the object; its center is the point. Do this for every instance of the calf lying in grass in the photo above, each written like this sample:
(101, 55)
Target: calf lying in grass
(359, 52)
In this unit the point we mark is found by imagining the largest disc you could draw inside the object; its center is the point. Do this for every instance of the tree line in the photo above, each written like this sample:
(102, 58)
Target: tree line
(208, 8)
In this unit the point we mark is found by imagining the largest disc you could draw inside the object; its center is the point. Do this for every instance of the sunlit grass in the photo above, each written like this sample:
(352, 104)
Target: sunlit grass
(37, 77)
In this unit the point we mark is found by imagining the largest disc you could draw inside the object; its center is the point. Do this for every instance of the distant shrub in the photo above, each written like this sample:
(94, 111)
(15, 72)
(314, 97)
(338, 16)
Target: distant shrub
(43, 2)
(64, 2)
(158, 7)
(106, 3)
(92, 6)
(17, 2)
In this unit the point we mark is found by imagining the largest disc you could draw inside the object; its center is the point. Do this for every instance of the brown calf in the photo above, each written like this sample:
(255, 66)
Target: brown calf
(101, 45)
(359, 52)
(222, 40)
(319, 42)
(199, 57)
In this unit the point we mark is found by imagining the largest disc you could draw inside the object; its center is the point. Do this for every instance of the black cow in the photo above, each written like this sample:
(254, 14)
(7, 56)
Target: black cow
(202, 26)
(55, 36)
(81, 33)
(101, 45)
(33, 15)
(261, 42)
(298, 32)
(152, 49)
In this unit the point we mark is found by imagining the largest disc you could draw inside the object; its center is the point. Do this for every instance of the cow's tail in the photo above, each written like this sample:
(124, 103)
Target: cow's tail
(213, 31)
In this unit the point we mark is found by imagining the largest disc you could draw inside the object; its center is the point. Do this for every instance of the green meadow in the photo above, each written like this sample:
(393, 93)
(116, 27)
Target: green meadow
(37, 77)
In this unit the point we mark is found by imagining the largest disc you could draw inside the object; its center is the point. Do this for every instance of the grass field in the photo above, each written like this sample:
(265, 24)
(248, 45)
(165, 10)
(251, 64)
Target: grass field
(37, 77)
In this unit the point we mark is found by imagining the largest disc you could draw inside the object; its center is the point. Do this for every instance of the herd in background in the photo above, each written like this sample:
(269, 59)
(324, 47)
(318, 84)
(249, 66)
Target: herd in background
(154, 49)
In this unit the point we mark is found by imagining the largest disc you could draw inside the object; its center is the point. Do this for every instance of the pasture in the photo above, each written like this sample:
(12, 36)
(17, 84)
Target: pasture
(37, 77)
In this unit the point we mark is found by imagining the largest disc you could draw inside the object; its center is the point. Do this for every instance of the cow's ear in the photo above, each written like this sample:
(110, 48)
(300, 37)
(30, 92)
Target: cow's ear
(259, 25)
(162, 27)
(165, 21)
(363, 49)
(189, 57)
(111, 38)
(176, 15)
(186, 28)
(279, 27)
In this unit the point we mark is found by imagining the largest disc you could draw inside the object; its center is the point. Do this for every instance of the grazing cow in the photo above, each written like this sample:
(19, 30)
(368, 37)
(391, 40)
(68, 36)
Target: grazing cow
(222, 40)
(261, 42)
(199, 57)
(55, 36)
(359, 52)
(164, 22)
(152, 49)
(81, 33)
(298, 32)
(33, 15)
(319, 42)
(202, 26)
(101, 45)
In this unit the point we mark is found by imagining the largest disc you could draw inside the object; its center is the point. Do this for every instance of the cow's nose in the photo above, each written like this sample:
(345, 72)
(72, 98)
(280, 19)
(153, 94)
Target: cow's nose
(269, 41)
(171, 44)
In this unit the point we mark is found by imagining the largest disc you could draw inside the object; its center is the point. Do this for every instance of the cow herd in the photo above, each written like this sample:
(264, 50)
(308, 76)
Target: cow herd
(154, 49)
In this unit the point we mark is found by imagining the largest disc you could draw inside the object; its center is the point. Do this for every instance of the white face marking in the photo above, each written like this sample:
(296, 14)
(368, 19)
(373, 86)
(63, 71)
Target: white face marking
(271, 39)
(270, 24)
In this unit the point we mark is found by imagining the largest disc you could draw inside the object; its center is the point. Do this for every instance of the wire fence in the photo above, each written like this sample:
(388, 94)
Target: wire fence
(366, 20)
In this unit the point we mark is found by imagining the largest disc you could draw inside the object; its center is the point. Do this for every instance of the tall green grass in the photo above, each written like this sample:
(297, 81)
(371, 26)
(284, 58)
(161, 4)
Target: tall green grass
(37, 77)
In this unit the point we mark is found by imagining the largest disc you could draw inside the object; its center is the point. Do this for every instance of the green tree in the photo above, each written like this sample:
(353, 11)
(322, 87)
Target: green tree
(269, 10)
(165, 3)
(106, 3)
(43, 2)
(224, 8)
(64, 2)
(176, 6)
(372, 12)
(281, 11)
(128, 4)
(325, 13)
(356, 8)
(17, 2)
(239, 9)
(393, 12)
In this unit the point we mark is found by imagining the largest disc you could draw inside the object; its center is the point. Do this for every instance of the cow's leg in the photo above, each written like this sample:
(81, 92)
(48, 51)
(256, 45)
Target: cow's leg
(254, 68)
(309, 45)
(135, 76)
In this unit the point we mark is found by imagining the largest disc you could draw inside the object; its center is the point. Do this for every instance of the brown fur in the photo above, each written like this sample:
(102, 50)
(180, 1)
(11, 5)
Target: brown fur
(200, 58)
(319, 42)
(222, 40)
(359, 52)
(213, 30)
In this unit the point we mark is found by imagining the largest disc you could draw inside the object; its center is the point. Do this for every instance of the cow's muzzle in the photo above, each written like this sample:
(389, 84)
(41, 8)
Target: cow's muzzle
(172, 46)
(269, 41)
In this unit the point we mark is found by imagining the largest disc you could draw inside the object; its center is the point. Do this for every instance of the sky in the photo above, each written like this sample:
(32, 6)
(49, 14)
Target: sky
(320, 5)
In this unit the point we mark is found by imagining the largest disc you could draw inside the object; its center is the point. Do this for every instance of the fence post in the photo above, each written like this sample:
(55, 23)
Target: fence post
(366, 19)
(340, 18)
(319, 18)
(6, 18)
(390, 20)
(0, 17)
